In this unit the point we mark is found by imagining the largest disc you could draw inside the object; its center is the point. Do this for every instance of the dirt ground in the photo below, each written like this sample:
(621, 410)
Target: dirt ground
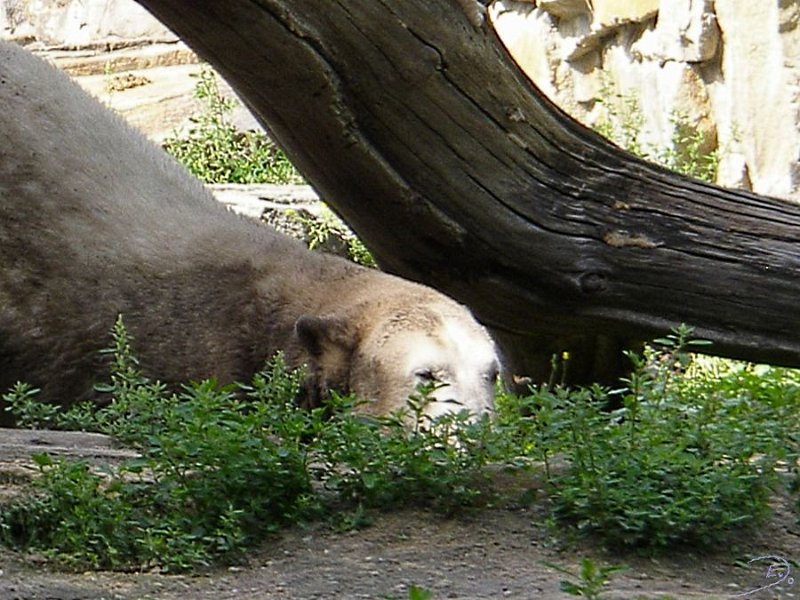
(490, 553)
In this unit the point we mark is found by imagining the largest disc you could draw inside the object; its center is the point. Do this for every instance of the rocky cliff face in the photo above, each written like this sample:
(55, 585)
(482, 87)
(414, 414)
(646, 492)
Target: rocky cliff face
(728, 69)
(119, 53)
(80, 22)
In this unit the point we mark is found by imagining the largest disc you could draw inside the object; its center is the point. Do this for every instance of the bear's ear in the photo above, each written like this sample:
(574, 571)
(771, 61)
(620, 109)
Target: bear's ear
(324, 335)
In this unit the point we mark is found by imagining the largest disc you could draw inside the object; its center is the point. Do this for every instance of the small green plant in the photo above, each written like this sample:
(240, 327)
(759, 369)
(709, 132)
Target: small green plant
(214, 474)
(216, 152)
(220, 467)
(418, 593)
(690, 457)
(327, 225)
(589, 581)
(688, 153)
(21, 401)
(405, 458)
(108, 77)
(415, 593)
(679, 463)
(623, 120)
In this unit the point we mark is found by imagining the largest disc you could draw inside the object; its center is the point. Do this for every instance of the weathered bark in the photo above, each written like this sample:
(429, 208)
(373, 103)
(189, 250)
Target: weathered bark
(411, 120)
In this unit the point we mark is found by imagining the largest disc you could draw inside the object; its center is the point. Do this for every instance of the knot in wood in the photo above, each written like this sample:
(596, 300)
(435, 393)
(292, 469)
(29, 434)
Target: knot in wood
(593, 282)
(423, 65)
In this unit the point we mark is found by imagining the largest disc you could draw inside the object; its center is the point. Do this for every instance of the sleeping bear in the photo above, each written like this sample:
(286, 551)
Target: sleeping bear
(96, 221)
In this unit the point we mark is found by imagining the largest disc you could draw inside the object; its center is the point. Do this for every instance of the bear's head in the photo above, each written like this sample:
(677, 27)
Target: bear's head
(384, 356)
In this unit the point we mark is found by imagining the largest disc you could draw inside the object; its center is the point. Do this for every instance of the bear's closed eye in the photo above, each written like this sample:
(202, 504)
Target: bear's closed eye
(452, 401)
(427, 375)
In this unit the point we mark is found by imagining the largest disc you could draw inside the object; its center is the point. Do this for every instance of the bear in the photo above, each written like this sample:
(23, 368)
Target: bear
(97, 221)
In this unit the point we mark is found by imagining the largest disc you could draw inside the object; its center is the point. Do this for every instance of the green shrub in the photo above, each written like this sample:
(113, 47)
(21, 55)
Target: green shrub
(220, 467)
(589, 581)
(383, 462)
(216, 152)
(689, 152)
(690, 457)
(29, 413)
(215, 473)
(685, 461)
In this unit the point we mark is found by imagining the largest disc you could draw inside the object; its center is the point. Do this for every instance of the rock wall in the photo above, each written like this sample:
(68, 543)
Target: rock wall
(120, 54)
(728, 68)
(80, 22)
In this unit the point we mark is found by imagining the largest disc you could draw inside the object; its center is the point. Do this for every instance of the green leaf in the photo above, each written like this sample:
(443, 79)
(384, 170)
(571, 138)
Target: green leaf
(42, 459)
(416, 593)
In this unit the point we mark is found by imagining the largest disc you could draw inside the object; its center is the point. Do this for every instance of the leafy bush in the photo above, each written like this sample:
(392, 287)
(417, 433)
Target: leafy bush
(216, 152)
(30, 414)
(382, 462)
(220, 467)
(686, 460)
(214, 473)
(689, 458)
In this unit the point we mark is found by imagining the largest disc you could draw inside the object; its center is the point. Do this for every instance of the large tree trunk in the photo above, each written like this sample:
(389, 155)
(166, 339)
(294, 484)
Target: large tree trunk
(411, 120)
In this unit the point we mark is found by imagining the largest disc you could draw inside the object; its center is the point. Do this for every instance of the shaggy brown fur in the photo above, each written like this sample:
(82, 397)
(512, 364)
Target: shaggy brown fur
(96, 221)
